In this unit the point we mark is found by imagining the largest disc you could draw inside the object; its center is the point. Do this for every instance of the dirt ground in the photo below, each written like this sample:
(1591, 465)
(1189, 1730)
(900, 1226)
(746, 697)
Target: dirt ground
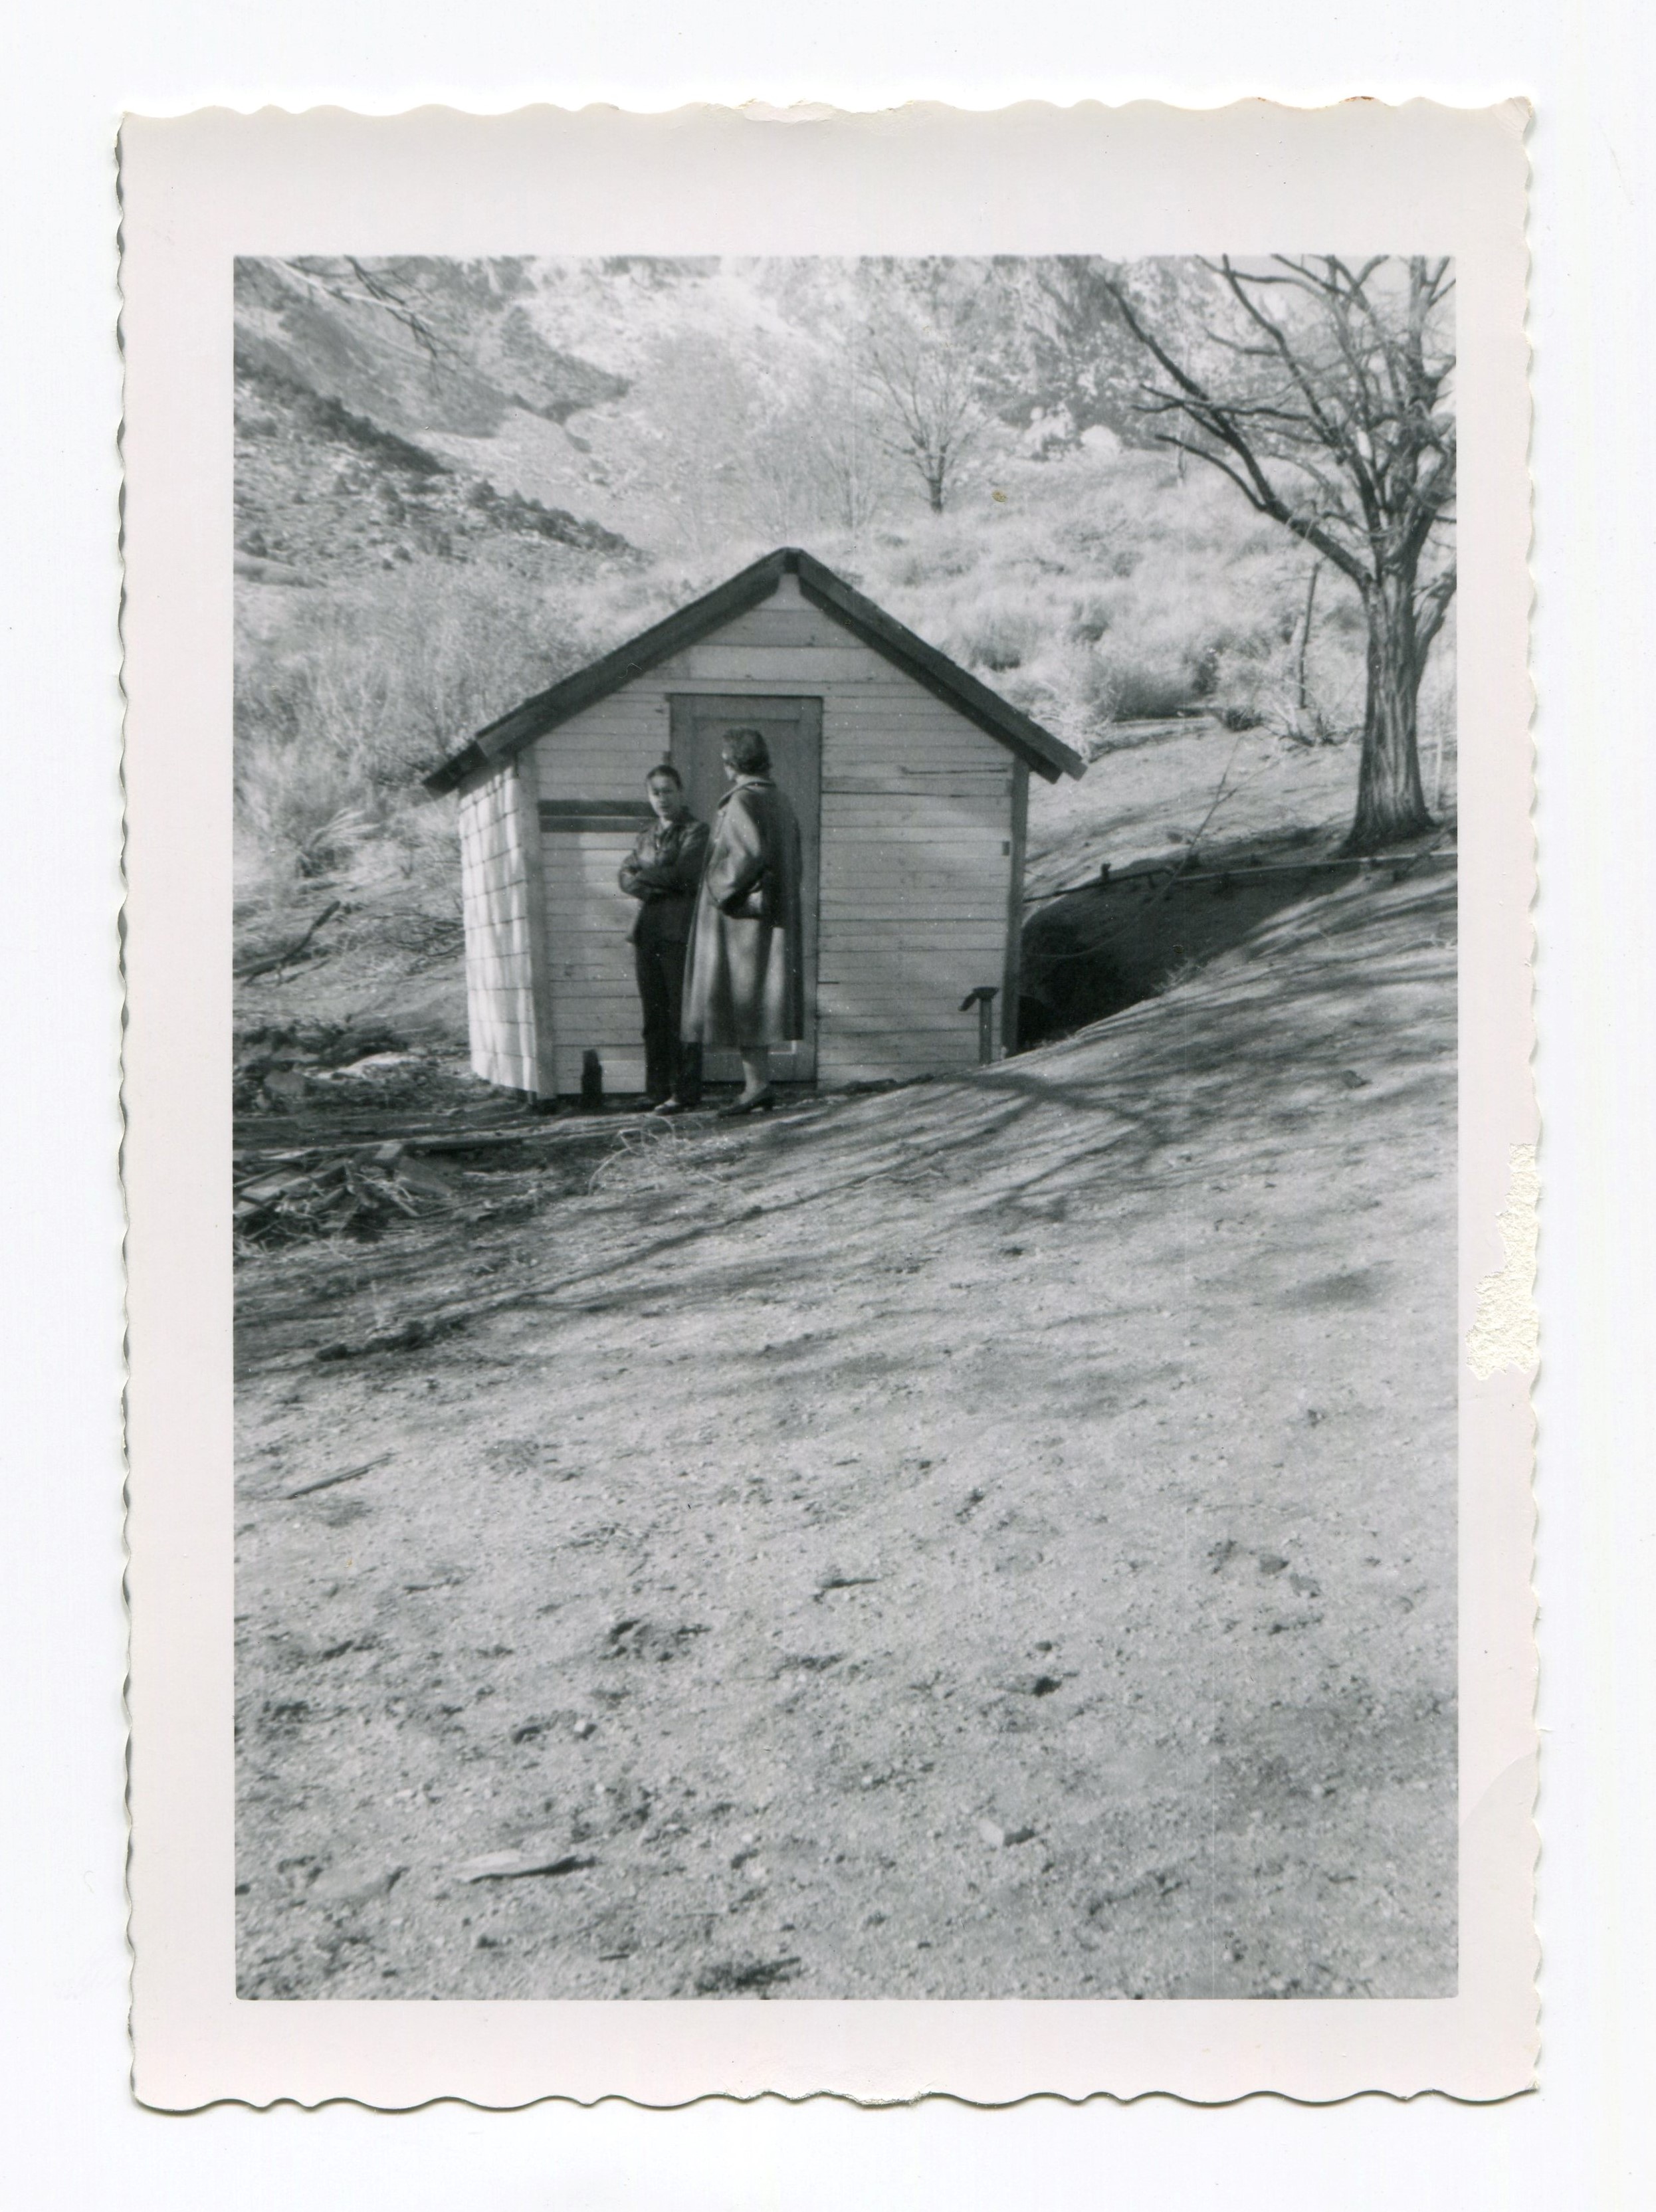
(994, 1537)
(1166, 787)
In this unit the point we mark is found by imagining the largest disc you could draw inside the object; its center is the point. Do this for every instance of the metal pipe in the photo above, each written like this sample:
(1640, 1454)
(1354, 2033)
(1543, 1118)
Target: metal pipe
(983, 998)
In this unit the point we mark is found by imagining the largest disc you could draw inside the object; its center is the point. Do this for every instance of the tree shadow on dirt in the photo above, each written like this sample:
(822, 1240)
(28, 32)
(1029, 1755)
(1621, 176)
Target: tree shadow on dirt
(1267, 1041)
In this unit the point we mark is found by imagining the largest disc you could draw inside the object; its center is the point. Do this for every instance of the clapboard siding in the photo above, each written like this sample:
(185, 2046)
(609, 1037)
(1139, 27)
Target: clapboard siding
(910, 893)
(588, 959)
(774, 667)
(916, 818)
(790, 623)
(891, 817)
(607, 751)
(917, 861)
(919, 852)
(860, 936)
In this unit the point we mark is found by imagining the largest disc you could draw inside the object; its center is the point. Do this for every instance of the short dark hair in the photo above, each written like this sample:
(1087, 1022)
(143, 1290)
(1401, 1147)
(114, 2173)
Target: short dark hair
(748, 752)
(665, 769)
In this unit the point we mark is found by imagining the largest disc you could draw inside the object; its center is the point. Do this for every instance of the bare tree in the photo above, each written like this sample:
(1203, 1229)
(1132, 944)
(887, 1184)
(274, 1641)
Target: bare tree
(853, 467)
(922, 362)
(1324, 398)
(835, 413)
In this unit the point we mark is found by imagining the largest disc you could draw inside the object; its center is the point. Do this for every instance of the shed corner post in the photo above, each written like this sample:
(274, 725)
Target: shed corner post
(466, 836)
(1011, 978)
(525, 793)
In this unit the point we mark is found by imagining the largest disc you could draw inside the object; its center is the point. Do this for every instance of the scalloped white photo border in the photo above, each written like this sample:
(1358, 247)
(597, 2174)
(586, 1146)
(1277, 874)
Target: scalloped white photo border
(1140, 180)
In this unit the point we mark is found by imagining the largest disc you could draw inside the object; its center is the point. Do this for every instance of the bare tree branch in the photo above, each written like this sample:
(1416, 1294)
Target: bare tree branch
(1326, 409)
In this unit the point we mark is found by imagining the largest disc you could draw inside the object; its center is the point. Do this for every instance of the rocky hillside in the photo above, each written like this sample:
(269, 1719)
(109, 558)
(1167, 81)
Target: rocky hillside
(350, 380)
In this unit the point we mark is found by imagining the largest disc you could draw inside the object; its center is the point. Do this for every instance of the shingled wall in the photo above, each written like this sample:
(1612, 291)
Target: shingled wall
(501, 876)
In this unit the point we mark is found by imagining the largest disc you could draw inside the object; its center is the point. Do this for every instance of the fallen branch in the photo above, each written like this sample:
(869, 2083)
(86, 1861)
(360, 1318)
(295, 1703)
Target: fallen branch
(1400, 860)
(288, 952)
(345, 1475)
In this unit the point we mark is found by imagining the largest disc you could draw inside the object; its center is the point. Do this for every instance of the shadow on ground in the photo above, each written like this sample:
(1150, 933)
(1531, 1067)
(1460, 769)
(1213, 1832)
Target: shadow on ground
(991, 1538)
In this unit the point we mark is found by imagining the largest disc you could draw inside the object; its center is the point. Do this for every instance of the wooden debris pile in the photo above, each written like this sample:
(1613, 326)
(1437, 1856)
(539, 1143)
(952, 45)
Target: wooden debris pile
(344, 1193)
(279, 1064)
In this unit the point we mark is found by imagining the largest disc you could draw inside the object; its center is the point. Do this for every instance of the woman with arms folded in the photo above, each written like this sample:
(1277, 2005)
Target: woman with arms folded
(662, 872)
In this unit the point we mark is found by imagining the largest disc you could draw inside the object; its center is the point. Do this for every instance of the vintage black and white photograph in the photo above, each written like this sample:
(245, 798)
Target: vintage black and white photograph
(845, 1127)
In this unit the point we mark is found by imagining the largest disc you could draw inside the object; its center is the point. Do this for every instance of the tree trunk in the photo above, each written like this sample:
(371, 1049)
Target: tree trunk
(935, 489)
(1391, 803)
(1303, 698)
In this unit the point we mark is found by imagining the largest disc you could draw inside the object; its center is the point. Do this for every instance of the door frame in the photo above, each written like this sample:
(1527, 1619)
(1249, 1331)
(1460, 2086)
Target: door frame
(689, 713)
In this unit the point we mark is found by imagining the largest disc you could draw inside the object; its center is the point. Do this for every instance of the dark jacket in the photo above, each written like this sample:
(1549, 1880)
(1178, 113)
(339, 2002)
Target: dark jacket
(662, 872)
(745, 986)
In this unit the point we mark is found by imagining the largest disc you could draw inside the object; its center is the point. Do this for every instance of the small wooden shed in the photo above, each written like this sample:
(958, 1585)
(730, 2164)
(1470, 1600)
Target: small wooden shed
(910, 780)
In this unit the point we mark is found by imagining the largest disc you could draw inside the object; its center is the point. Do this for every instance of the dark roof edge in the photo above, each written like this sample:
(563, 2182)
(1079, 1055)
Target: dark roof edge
(1049, 755)
(507, 735)
(498, 740)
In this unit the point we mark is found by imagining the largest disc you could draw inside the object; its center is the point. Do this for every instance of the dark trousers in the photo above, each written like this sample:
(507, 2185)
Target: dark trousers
(672, 1069)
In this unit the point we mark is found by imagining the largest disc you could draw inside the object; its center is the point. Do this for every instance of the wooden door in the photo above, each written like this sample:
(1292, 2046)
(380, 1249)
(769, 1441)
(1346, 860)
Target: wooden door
(793, 730)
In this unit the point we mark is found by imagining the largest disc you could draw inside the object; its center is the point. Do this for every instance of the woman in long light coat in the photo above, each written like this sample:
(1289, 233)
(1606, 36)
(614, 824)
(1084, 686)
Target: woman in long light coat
(744, 982)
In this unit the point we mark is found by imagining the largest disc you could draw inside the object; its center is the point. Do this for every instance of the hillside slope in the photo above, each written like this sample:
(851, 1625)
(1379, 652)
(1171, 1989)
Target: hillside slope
(348, 377)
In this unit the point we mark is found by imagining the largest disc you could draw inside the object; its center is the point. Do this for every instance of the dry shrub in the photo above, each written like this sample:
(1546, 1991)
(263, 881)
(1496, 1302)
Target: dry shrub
(999, 637)
(1149, 681)
(1101, 590)
(385, 671)
(354, 693)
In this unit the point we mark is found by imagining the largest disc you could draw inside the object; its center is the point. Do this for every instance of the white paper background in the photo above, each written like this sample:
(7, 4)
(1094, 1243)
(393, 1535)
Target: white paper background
(200, 190)
(72, 2136)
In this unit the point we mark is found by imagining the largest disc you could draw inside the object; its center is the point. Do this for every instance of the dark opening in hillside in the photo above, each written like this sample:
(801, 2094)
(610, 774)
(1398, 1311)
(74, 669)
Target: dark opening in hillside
(1093, 951)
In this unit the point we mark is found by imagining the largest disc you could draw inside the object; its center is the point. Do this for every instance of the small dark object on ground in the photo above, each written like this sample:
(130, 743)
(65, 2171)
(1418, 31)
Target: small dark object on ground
(346, 1475)
(744, 1978)
(516, 1866)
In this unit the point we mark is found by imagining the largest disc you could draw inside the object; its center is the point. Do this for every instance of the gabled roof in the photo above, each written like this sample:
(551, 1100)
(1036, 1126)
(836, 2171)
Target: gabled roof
(1043, 752)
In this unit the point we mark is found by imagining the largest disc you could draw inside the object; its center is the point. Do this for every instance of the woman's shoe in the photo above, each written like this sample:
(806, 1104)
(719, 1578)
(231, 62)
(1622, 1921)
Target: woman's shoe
(761, 1101)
